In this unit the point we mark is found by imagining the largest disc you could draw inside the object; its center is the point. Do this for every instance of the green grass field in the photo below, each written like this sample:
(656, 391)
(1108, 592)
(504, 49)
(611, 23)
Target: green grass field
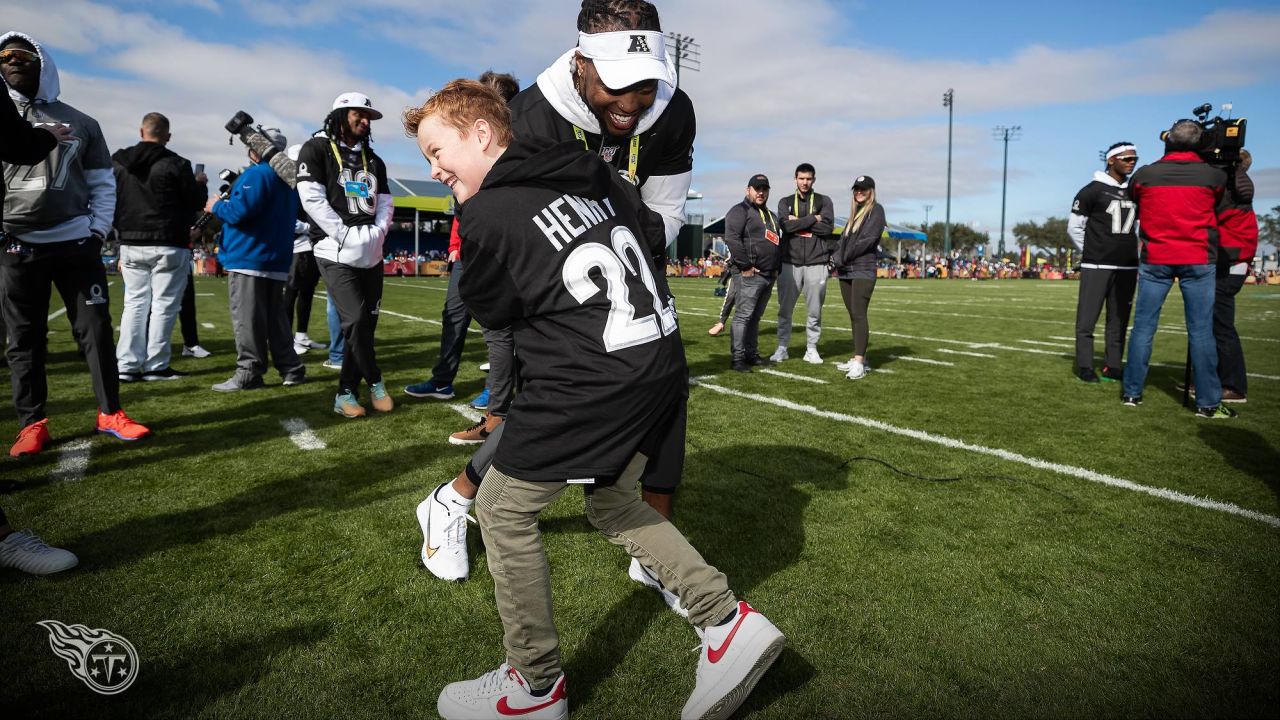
(997, 575)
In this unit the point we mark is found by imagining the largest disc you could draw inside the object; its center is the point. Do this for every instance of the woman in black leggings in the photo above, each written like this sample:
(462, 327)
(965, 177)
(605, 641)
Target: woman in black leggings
(855, 263)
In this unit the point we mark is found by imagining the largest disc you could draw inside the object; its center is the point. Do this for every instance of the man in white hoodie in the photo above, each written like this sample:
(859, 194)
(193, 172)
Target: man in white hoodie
(343, 187)
(56, 214)
(1102, 224)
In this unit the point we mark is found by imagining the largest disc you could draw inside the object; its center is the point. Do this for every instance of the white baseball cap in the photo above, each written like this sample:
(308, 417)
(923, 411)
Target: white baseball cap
(626, 57)
(356, 101)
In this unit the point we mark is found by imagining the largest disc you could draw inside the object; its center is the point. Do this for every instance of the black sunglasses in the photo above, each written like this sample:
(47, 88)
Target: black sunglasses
(1129, 158)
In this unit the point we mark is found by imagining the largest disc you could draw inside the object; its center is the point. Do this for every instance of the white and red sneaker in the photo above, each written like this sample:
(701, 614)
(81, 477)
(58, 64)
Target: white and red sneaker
(731, 661)
(502, 694)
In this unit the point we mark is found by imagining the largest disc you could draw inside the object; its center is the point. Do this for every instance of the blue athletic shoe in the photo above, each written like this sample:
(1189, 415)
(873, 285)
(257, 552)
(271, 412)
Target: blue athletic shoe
(430, 389)
(482, 400)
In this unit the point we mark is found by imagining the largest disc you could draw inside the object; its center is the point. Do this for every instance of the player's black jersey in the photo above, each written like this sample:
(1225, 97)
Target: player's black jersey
(560, 248)
(1110, 232)
(665, 148)
(316, 163)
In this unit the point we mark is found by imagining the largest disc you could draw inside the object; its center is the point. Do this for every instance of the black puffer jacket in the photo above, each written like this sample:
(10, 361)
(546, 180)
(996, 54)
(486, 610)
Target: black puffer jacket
(855, 255)
(157, 196)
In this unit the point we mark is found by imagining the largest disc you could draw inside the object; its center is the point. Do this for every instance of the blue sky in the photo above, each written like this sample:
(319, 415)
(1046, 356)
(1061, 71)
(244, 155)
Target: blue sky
(852, 87)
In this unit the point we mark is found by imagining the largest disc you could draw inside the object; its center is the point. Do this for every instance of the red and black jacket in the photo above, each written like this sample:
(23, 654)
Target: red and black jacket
(1237, 222)
(1177, 197)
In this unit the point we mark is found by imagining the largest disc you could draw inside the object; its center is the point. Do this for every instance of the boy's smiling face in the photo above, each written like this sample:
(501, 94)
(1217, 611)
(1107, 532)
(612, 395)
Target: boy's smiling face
(458, 159)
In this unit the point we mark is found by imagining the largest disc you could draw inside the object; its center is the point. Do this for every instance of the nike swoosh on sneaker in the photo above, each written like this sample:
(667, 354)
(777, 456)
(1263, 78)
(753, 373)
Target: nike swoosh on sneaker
(504, 708)
(431, 551)
(714, 654)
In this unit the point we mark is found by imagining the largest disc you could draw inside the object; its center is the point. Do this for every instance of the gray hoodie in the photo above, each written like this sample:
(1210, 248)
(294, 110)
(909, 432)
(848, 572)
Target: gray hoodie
(72, 192)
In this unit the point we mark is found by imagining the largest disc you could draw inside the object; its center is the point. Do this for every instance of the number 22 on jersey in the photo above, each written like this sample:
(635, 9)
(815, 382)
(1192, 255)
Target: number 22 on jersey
(625, 258)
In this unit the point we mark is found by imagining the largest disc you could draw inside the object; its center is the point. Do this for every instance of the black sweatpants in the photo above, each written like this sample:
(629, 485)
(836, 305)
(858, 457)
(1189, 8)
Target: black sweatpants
(1115, 288)
(26, 280)
(356, 293)
(1231, 369)
(304, 274)
(187, 315)
(856, 294)
(454, 320)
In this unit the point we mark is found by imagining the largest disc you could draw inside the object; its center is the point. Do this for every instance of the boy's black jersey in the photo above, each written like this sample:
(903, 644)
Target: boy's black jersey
(665, 148)
(1110, 230)
(317, 163)
(560, 248)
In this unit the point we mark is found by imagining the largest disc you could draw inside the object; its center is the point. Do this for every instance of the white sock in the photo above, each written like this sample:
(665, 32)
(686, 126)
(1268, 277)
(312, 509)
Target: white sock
(299, 337)
(448, 494)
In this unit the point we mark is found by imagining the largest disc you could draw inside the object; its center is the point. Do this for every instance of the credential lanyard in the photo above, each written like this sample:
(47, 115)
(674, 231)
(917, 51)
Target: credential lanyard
(633, 150)
(364, 162)
(767, 225)
(795, 204)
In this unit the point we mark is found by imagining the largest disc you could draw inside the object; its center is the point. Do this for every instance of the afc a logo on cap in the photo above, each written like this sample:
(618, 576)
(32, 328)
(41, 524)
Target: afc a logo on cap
(639, 44)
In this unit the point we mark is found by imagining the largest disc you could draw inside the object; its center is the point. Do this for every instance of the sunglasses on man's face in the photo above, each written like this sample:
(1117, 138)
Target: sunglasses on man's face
(18, 55)
(1127, 158)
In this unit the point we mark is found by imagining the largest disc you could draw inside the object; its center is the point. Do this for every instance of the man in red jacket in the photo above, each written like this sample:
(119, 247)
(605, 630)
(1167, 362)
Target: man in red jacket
(1177, 197)
(1238, 241)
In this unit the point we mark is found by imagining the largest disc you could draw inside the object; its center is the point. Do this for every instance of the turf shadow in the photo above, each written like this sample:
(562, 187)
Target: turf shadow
(168, 689)
(333, 488)
(1244, 450)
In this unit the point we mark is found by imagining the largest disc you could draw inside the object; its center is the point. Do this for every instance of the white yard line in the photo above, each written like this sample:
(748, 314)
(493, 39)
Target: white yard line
(419, 287)
(73, 462)
(923, 360)
(204, 294)
(1071, 471)
(1252, 375)
(790, 376)
(467, 411)
(949, 351)
(301, 435)
(206, 326)
(1046, 344)
(415, 318)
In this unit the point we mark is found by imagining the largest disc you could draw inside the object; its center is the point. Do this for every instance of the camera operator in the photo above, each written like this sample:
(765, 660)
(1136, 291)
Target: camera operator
(1238, 241)
(56, 214)
(1177, 197)
(1102, 226)
(157, 198)
(257, 248)
(350, 208)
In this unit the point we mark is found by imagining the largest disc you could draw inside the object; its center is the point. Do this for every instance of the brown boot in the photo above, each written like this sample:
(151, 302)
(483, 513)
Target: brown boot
(477, 433)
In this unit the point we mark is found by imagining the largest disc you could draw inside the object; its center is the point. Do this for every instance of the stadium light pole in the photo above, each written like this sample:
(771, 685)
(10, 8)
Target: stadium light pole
(927, 208)
(948, 101)
(1005, 133)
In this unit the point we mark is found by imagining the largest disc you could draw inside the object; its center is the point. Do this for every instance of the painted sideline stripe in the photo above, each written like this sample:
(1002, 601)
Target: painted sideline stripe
(73, 462)
(789, 376)
(411, 285)
(204, 294)
(923, 360)
(1081, 473)
(949, 351)
(1046, 344)
(207, 326)
(415, 318)
(467, 411)
(301, 435)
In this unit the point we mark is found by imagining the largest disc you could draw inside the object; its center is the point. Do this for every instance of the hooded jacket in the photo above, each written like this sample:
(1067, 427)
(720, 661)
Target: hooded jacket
(344, 230)
(855, 253)
(258, 222)
(560, 248)
(157, 196)
(1237, 222)
(664, 169)
(20, 143)
(71, 193)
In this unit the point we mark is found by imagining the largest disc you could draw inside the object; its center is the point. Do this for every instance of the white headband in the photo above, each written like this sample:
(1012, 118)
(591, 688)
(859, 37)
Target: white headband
(626, 57)
(1117, 150)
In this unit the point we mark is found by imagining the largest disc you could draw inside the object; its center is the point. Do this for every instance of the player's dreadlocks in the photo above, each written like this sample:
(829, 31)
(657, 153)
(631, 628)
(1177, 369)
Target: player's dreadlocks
(334, 122)
(599, 16)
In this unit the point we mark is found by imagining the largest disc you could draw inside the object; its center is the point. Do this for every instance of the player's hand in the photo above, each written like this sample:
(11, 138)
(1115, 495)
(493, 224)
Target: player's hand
(208, 207)
(454, 255)
(792, 217)
(749, 272)
(202, 179)
(62, 131)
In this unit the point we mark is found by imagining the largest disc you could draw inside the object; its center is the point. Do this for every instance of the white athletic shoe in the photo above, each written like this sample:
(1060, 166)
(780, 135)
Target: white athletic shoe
(779, 355)
(28, 553)
(195, 351)
(484, 367)
(812, 357)
(641, 574)
(856, 370)
(502, 693)
(444, 537)
(731, 660)
(301, 348)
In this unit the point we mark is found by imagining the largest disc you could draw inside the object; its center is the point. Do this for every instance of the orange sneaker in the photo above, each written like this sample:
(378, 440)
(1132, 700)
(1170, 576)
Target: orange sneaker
(121, 425)
(31, 439)
(477, 433)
